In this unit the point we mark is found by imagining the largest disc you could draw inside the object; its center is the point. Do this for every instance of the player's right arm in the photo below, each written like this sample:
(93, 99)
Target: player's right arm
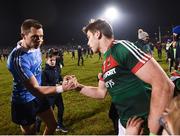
(94, 92)
(32, 85)
(22, 69)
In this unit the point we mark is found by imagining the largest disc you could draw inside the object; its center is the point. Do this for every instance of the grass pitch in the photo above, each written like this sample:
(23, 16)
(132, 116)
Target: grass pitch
(82, 115)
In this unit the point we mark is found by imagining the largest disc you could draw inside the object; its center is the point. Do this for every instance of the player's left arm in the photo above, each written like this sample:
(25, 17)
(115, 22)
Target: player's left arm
(162, 91)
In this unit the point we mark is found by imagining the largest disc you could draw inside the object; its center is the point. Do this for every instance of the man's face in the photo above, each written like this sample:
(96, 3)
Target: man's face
(93, 41)
(146, 39)
(34, 38)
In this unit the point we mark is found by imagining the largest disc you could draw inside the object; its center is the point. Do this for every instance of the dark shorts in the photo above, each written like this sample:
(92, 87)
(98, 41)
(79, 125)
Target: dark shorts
(25, 113)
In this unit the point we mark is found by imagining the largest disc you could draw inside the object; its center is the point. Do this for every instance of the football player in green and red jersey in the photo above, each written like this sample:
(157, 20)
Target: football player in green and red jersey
(124, 70)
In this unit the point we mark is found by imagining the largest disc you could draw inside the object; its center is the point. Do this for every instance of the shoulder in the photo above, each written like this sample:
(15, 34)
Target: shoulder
(17, 53)
(123, 46)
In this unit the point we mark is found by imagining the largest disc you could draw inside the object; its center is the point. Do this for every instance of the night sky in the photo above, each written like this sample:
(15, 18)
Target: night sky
(64, 19)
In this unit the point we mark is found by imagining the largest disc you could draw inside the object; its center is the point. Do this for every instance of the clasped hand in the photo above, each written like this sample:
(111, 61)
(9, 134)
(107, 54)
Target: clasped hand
(69, 82)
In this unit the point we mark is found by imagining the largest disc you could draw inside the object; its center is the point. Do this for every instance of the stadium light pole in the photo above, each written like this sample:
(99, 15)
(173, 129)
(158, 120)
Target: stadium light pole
(111, 14)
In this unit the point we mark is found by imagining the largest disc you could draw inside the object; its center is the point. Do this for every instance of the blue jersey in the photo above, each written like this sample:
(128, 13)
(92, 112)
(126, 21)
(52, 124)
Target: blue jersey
(24, 64)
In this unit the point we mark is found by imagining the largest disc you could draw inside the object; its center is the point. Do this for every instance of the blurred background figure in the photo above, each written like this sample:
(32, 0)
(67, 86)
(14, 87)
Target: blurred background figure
(176, 40)
(170, 120)
(168, 44)
(60, 58)
(0, 55)
(175, 77)
(73, 53)
(171, 55)
(143, 42)
(159, 49)
(80, 56)
(51, 76)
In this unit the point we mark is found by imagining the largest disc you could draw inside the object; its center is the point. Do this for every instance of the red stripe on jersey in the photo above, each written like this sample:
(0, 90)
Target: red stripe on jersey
(109, 63)
(137, 67)
(140, 64)
(175, 73)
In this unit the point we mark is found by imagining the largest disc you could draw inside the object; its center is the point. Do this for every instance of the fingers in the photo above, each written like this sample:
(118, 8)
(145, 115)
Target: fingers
(99, 75)
(135, 121)
(141, 131)
(68, 77)
(133, 126)
(69, 82)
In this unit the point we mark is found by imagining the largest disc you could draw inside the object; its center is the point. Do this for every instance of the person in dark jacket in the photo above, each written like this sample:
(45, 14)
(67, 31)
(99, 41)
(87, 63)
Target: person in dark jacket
(143, 42)
(171, 55)
(51, 77)
(176, 39)
(174, 49)
(80, 56)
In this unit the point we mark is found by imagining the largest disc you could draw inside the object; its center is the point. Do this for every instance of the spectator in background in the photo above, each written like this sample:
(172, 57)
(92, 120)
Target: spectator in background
(73, 53)
(175, 77)
(176, 39)
(170, 120)
(168, 44)
(171, 55)
(1, 55)
(84, 52)
(52, 77)
(152, 48)
(60, 58)
(159, 49)
(134, 126)
(80, 56)
(143, 42)
(5, 53)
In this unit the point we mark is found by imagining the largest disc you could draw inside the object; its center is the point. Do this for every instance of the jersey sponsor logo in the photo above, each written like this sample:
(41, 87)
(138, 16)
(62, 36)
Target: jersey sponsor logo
(37, 71)
(109, 63)
(109, 83)
(109, 73)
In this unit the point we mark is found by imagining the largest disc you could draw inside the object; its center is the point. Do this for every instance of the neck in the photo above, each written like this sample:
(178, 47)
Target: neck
(105, 44)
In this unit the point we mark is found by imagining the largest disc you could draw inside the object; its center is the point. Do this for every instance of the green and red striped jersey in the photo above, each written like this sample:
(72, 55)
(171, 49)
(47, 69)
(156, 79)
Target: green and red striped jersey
(128, 92)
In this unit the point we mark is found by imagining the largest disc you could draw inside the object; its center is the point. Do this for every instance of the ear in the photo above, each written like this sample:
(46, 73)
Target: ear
(22, 35)
(98, 34)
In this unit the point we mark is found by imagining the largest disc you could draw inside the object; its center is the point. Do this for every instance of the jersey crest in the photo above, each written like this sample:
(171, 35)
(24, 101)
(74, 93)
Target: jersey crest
(109, 63)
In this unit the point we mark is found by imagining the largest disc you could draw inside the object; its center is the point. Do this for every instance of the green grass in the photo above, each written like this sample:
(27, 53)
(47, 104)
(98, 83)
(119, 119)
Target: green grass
(82, 115)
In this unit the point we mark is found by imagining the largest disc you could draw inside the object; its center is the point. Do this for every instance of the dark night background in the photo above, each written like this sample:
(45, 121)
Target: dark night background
(64, 19)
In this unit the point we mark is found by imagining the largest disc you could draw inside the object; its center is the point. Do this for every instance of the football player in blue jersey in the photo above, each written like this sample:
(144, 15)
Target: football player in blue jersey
(24, 63)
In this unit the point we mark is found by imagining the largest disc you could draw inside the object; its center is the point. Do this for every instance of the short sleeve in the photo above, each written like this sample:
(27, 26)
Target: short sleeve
(22, 68)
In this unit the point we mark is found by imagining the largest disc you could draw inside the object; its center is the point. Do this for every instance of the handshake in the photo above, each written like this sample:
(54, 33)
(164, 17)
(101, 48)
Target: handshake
(70, 82)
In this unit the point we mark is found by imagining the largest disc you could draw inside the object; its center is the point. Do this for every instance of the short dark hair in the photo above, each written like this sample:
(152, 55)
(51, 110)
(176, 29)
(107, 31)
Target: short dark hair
(101, 25)
(28, 23)
(52, 52)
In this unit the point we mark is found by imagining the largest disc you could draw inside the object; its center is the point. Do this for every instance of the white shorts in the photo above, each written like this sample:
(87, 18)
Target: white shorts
(121, 129)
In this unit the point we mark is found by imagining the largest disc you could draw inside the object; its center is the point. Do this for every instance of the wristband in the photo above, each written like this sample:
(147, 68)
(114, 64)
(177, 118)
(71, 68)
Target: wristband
(59, 89)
